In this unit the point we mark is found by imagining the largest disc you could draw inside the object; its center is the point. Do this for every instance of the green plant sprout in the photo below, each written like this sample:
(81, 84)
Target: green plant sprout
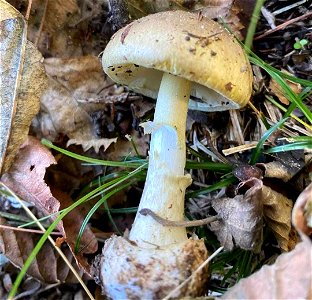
(300, 44)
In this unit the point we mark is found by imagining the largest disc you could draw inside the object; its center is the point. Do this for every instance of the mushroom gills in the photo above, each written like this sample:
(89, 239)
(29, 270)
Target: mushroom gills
(135, 77)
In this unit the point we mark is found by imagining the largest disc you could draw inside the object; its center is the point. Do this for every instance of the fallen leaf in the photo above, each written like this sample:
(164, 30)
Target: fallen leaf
(26, 179)
(241, 218)
(289, 277)
(276, 169)
(23, 81)
(47, 267)
(49, 26)
(68, 28)
(77, 88)
(278, 91)
(277, 213)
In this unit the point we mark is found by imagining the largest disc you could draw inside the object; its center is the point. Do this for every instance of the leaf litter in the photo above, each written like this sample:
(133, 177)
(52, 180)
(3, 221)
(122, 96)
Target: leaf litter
(80, 32)
(26, 178)
(288, 277)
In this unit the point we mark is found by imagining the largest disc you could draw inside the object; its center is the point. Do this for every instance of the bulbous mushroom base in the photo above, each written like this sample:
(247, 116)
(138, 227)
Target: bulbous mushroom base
(126, 271)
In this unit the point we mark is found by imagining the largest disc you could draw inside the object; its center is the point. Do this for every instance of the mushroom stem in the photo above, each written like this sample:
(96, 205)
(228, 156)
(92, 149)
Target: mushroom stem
(165, 184)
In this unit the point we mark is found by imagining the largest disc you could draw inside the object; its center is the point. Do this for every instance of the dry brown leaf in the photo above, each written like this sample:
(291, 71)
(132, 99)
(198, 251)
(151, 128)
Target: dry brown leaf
(72, 223)
(277, 213)
(276, 169)
(25, 178)
(47, 267)
(288, 278)
(22, 82)
(277, 90)
(77, 88)
(241, 218)
(68, 28)
(302, 212)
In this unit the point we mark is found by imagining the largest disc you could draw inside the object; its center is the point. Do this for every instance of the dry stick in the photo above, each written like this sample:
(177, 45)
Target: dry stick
(282, 26)
(27, 230)
(28, 10)
(180, 286)
(38, 35)
(164, 222)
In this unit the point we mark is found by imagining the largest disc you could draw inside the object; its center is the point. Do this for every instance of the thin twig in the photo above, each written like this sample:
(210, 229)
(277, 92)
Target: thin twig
(27, 230)
(164, 222)
(38, 35)
(28, 10)
(180, 286)
(282, 26)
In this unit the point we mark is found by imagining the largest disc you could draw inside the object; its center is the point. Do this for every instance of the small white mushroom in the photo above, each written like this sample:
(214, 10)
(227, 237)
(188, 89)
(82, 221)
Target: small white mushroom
(171, 56)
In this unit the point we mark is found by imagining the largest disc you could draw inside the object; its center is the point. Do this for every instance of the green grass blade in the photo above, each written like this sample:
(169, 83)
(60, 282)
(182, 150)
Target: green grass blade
(259, 62)
(92, 211)
(211, 188)
(125, 210)
(300, 139)
(109, 215)
(126, 164)
(288, 112)
(258, 150)
(206, 165)
(253, 23)
(290, 147)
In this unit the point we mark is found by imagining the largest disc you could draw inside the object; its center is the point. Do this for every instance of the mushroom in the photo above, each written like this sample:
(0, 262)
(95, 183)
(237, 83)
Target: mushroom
(172, 56)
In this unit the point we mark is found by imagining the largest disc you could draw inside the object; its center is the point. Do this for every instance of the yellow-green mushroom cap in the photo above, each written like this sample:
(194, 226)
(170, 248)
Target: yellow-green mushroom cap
(181, 44)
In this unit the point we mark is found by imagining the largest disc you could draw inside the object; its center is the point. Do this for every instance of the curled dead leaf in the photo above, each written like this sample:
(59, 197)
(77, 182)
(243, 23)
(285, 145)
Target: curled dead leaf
(22, 82)
(277, 213)
(25, 177)
(276, 169)
(241, 218)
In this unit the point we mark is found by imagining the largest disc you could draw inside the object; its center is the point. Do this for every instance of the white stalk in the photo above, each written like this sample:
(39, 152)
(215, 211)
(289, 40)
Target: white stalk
(165, 184)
